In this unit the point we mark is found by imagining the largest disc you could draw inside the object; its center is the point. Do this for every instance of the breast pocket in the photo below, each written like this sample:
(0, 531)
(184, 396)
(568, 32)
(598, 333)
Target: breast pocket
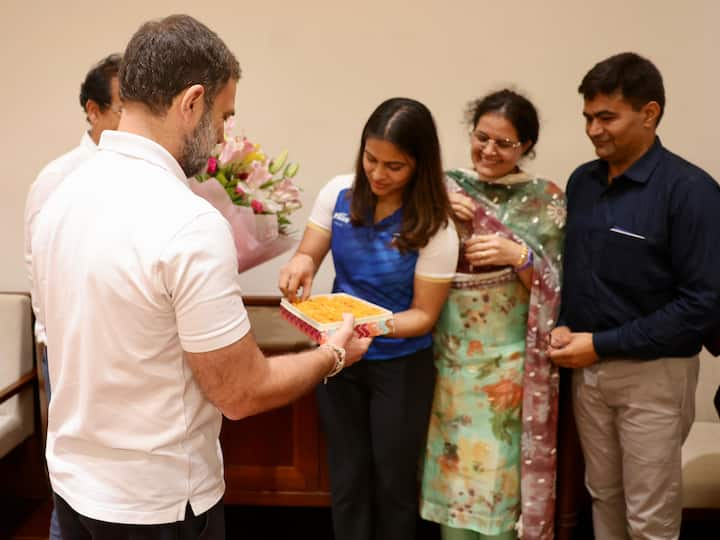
(631, 260)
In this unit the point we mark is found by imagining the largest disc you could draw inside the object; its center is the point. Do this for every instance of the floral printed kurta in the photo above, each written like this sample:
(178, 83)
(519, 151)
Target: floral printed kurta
(490, 454)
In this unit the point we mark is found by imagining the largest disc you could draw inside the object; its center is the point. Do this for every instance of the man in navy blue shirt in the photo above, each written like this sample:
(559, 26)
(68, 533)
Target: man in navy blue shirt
(641, 292)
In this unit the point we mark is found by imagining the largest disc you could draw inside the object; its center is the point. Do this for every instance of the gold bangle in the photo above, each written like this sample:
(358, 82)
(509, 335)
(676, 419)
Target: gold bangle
(523, 256)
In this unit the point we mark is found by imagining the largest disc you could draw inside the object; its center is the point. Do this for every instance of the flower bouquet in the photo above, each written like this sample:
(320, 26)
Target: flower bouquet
(255, 193)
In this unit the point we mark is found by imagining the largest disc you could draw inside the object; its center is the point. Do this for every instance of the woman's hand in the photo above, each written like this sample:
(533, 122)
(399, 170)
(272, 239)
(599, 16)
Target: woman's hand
(300, 270)
(297, 273)
(492, 250)
(462, 206)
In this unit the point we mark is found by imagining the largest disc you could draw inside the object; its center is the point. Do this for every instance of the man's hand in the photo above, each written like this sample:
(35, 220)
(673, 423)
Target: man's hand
(559, 338)
(355, 347)
(578, 352)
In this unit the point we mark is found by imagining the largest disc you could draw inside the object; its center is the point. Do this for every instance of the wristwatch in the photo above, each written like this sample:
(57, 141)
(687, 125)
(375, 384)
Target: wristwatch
(339, 354)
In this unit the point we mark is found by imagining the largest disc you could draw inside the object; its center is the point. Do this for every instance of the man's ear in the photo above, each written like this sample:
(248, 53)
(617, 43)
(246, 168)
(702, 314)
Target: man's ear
(652, 113)
(92, 110)
(192, 103)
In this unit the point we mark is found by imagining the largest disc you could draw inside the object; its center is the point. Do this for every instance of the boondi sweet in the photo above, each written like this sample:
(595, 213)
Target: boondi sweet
(330, 308)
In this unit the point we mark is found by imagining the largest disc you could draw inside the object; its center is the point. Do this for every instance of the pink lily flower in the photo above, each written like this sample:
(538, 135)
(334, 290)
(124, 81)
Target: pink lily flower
(229, 125)
(258, 175)
(235, 149)
(286, 192)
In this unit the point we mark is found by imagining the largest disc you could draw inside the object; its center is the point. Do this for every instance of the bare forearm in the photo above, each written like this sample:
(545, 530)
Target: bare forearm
(316, 260)
(281, 380)
(240, 380)
(525, 277)
(411, 323)
(419, 319)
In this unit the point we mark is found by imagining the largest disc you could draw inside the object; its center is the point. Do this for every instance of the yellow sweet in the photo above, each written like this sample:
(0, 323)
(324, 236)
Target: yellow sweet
(329, 309)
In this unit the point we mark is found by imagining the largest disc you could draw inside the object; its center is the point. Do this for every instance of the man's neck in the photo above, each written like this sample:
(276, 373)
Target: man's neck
(618, 167)
(94, 134)
(150, 126)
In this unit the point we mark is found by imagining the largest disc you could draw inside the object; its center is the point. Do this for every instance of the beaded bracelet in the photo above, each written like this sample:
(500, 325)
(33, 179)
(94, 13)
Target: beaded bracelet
(339, 356)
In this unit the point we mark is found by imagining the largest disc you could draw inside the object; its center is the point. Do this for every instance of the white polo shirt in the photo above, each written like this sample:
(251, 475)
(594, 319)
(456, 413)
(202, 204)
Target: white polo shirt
(132, 268)
(45, 184)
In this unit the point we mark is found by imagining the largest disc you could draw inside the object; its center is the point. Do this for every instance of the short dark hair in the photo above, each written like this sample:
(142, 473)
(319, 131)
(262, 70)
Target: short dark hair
(635, 77)
(518, 109)
(409, 125)
(166, 56)
(96, 85)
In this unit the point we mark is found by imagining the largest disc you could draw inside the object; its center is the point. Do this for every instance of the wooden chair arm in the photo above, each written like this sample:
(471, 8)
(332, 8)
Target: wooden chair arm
(18, 386)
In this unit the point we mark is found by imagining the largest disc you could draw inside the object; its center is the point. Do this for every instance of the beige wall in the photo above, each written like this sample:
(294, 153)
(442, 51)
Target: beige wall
(314, 70)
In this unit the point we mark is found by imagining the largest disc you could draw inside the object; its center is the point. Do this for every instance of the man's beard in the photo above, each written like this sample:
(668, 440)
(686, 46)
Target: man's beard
(197, 147)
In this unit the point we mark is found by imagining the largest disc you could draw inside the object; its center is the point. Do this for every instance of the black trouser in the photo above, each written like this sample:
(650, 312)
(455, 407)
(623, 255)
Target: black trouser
(375, 415)
(209, 525)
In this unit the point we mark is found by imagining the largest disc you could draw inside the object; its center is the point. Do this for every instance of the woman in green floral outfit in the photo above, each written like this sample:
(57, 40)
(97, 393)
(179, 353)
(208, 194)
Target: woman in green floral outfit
(489, 467)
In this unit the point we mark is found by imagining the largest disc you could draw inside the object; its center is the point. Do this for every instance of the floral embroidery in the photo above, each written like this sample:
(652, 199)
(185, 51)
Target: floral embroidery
(557, 213)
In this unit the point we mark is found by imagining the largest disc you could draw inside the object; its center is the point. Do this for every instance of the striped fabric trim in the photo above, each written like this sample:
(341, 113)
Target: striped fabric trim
(435, 279)
(315, 226)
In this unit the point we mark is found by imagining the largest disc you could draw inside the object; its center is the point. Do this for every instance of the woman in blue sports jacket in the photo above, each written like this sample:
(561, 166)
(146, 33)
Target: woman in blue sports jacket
(393, 243)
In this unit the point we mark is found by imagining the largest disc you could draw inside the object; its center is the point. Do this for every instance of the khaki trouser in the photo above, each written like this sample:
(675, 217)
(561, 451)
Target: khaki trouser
(633, 417)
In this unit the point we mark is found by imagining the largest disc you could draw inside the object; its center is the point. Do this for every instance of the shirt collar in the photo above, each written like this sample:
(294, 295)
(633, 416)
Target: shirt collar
(642, 169)
(87, 143)
(639, 172)
(140, 147)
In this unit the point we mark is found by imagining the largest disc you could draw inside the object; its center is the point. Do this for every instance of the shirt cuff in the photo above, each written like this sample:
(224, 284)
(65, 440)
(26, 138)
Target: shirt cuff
(607, 343)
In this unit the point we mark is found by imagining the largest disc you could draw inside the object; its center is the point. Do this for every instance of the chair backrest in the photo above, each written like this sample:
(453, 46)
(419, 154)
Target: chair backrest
(17, 420)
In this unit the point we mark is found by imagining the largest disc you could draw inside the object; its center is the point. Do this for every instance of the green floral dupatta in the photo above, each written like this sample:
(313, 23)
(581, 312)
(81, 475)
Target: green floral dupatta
(531, 210)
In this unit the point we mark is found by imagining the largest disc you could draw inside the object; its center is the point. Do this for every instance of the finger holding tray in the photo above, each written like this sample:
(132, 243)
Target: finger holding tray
(320, 316)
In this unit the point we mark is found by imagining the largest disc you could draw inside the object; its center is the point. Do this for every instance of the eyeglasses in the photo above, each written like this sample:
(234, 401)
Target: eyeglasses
(483, 139)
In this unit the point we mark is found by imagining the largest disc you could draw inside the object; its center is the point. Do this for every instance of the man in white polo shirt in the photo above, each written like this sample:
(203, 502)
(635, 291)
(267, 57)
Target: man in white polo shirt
(138, 288)
(100, 100)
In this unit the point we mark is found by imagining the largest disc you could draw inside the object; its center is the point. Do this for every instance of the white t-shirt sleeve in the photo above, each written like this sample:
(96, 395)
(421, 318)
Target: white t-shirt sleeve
(437, 261)
(322, 212)
(199, 273)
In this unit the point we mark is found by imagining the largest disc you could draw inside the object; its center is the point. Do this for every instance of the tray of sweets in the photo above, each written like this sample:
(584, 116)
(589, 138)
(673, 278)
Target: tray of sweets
(320, 316)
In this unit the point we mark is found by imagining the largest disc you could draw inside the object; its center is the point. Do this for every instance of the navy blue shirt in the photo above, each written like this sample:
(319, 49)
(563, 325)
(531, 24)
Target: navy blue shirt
(642, 256)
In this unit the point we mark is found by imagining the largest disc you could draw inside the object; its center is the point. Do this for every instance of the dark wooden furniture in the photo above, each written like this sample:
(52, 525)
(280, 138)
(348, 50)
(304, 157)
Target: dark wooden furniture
(26, 381)
(276, 458)
(22, 470)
